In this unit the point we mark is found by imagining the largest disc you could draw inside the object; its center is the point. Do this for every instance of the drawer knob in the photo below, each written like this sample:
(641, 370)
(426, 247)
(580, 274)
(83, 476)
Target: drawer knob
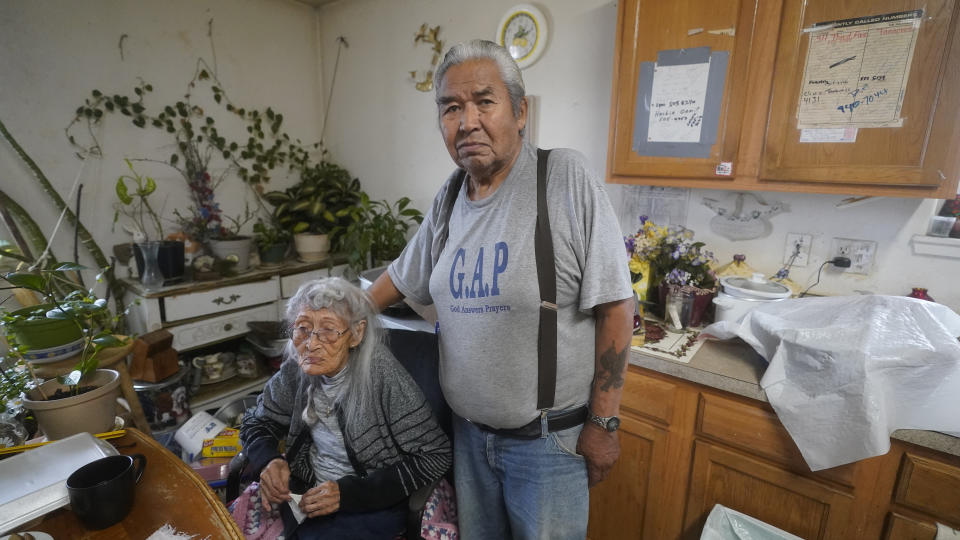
(224, 301)
(228, 327)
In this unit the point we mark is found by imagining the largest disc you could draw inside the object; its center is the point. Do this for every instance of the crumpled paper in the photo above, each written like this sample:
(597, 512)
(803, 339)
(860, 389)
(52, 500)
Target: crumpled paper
(847, 371)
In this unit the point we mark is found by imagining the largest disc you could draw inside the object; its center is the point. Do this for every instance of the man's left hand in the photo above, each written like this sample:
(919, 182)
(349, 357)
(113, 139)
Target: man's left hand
(321, 500)
(600, 448)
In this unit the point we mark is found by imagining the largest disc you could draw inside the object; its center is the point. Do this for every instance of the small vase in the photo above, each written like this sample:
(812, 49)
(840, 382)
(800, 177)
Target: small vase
(151, 278)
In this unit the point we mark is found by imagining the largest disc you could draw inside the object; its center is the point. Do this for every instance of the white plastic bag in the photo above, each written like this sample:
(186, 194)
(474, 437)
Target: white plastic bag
(847, 371)
(726, 524)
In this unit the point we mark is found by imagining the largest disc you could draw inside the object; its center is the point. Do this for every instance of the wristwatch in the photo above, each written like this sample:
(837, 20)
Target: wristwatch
(609, 423)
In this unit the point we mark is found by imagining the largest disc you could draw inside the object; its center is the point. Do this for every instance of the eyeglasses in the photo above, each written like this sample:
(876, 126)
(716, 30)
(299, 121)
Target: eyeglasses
(325, 335)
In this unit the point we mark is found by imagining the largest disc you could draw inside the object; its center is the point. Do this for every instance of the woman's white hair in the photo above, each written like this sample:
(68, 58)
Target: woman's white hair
(352, 305)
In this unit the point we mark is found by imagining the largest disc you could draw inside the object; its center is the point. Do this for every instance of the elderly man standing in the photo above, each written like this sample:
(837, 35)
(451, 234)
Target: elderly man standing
(522, 471)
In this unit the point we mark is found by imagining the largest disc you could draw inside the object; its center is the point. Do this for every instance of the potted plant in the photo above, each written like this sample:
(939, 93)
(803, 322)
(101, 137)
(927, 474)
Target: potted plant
(228, 244)
(316, 206)
(84, 399)
(133, 203)
(272, 241)
(377, 232)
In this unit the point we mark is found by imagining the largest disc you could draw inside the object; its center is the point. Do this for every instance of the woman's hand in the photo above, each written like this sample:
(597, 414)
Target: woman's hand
(321, 500)
(275, 483)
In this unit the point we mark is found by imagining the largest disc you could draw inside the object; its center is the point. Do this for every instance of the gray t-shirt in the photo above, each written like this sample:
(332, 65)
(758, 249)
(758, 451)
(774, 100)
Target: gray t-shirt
(484, 285)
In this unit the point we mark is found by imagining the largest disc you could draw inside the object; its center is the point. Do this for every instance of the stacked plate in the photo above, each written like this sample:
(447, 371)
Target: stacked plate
(54, 354)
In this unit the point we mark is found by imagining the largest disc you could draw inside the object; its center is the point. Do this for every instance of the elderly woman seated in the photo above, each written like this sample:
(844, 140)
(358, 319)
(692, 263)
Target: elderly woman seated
(359, 436)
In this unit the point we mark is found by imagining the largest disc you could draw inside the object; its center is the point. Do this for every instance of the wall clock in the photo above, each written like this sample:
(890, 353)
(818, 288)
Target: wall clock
(523, 32)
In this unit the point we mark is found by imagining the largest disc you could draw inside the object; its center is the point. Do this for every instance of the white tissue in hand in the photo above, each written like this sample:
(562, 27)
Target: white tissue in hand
(295, 508)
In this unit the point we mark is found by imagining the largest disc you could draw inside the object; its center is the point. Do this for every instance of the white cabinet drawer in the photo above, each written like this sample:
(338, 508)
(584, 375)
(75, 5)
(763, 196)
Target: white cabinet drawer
(289, 284)
(198, 304)
(200, 333)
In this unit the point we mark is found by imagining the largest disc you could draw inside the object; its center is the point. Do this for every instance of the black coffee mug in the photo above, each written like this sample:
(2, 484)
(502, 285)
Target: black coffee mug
(101, 492)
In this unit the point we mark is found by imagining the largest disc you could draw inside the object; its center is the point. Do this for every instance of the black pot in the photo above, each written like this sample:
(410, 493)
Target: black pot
(169, 258)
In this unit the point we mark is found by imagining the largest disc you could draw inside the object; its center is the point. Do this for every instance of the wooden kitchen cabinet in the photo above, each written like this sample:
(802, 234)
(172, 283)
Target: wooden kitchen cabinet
(647, 27)
(686, 447)
(758, 126)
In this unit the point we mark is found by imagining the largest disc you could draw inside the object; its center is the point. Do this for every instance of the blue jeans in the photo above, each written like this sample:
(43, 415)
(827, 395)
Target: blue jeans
(522, 489)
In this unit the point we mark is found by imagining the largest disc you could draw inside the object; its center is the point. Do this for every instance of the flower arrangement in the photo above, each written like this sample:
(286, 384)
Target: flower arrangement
(668, 255)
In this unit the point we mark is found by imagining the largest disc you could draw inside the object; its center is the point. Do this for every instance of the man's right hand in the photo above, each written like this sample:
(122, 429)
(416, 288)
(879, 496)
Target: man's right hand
(275, 483)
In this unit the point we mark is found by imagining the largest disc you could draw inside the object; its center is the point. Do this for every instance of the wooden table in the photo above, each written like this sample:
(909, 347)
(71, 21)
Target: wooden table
(169, 492)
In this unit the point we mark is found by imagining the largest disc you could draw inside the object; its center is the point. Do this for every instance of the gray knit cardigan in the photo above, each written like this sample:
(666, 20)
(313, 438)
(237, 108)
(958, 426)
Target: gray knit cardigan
(396, 448)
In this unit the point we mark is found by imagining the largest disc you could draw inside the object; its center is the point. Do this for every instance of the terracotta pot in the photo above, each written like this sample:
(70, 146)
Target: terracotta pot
(93, 411)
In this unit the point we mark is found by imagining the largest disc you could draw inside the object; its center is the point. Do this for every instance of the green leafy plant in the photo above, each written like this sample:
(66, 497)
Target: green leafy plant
(199, 142)
(321, 202)
(377, 231)
(267, 235)
(79, 306)
(134, 203)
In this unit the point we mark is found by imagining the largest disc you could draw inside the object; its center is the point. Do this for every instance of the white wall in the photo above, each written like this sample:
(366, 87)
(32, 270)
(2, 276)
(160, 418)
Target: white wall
(384, 131)
(53, 53)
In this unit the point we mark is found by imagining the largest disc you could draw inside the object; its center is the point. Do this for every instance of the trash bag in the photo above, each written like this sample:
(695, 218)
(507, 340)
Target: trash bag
(726, 524)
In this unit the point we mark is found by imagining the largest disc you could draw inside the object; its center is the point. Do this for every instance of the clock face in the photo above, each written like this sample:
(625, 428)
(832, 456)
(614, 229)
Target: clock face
(520, 35)
(523, 32)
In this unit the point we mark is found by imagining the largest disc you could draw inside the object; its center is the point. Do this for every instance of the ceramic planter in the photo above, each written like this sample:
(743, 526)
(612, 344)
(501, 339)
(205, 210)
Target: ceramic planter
(43, 333)
(170, 258)
(312, 247)
(93, 411)
(273, 255)
(237, 250)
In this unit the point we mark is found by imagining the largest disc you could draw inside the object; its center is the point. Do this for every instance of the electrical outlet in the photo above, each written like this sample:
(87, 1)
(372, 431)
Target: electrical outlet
(860, 252)
(799, 245)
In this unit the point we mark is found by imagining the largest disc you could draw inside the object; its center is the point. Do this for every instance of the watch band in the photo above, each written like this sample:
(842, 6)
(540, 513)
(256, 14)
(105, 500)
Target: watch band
(609, 423)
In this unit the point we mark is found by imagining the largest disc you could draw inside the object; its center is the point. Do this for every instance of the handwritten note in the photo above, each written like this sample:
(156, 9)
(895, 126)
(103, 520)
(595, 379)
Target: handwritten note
(676, 102)
(857, 70)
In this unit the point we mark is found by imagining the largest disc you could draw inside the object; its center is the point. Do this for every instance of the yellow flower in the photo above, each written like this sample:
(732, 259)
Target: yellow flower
(639, 267)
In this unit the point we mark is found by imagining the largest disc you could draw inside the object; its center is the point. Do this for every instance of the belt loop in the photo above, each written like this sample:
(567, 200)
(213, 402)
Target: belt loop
(544, 427)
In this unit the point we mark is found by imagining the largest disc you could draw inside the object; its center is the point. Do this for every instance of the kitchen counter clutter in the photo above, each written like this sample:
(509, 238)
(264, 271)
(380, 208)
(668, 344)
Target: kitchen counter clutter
(698, 434)
(733, 366)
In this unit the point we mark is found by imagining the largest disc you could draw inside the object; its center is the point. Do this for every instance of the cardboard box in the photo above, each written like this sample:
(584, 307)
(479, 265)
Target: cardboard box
(223, 444)
(156, 367)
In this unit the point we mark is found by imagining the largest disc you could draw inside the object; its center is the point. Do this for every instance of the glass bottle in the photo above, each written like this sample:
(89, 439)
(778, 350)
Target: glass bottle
(151, 279)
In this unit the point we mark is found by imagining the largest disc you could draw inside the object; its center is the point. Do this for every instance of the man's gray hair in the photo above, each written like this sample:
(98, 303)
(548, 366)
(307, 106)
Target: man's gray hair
(481, 49)
(352, 305)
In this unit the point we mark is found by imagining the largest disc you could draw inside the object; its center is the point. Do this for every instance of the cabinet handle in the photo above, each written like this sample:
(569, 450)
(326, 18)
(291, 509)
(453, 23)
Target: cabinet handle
(221, 300)
(227, 327)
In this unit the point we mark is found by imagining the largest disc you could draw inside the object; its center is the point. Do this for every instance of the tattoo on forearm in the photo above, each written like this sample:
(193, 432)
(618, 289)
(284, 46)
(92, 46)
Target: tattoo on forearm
(612, 364)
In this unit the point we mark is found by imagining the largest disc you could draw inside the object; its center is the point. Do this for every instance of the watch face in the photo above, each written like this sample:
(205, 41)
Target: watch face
(613, 424)
(520, 35)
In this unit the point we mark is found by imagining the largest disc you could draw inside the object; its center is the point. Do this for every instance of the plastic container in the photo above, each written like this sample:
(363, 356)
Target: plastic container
(739, 295)
(941, 225)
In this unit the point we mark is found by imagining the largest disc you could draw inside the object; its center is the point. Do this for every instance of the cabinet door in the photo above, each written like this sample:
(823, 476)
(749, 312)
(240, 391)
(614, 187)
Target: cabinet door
(921, 153)
(620, 506)
(791, 502)
(648, 27)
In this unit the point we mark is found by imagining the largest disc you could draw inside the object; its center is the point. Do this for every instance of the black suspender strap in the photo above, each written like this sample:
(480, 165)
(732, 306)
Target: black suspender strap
(546, 279)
